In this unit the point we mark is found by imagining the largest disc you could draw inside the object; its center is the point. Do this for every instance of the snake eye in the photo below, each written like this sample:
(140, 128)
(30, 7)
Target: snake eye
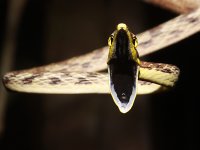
(110, 40)
(135, 41)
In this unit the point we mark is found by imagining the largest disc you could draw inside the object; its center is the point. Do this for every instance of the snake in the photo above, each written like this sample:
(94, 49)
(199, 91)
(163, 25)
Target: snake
(87, 73)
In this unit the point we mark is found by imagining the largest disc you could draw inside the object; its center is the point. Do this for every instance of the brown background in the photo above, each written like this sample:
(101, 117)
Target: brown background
(54, 30)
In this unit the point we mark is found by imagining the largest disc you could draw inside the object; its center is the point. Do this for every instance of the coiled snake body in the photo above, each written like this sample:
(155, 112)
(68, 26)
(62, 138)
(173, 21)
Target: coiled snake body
(81, 74)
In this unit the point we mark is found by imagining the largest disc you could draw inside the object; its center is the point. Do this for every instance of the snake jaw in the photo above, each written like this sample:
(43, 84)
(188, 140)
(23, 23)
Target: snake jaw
(123, 67)
(124, 101)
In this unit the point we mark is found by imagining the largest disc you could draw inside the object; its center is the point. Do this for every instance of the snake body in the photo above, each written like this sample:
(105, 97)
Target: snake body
(81, 74)
(63, 81)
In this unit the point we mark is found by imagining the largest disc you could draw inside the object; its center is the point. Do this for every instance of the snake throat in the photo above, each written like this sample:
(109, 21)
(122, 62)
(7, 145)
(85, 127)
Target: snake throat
(123, 83)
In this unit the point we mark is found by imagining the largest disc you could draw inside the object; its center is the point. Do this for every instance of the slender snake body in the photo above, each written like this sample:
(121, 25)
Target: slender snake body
(81, 74)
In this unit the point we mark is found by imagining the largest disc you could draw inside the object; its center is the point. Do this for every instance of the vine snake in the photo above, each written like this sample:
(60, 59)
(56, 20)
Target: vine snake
(124, 69)
(127, 75)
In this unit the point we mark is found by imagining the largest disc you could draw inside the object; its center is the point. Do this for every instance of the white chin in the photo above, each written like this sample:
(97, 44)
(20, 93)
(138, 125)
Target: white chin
(124, 108)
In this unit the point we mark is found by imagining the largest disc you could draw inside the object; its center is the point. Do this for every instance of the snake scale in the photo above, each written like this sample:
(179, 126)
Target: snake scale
(81, 74)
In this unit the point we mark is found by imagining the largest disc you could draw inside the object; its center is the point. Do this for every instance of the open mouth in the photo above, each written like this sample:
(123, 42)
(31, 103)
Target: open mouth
(123, 73)
(123, 79)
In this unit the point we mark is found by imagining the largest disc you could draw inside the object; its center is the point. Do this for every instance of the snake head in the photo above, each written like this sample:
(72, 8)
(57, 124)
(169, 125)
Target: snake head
(124, 39)
(123, 67)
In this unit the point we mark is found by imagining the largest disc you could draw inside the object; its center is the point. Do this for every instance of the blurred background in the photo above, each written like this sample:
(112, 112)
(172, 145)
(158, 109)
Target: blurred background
(38, 32)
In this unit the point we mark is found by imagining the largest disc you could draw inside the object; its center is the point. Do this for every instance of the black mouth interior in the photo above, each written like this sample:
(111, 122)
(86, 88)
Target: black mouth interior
(123, 69)
(122, 46)
(123, 75)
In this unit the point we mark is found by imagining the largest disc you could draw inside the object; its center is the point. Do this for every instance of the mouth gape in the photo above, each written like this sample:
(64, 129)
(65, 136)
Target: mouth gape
(123, 73)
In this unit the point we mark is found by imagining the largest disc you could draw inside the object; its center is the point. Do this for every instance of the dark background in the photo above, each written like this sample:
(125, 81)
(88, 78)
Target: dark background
(54, 30)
